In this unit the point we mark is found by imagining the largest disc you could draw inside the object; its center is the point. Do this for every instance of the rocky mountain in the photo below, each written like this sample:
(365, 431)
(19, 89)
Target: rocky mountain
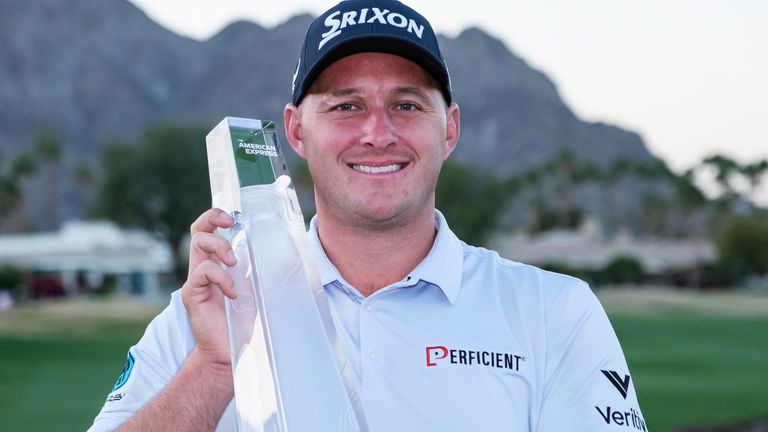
(92, 69)
(513, 116)
(99, 70)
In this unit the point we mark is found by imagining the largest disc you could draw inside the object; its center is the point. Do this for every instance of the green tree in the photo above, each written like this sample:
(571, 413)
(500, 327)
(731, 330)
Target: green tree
(11, 279)
(653, 170)
(23, 170)
(84, 179)
(610, 183)
(656, 214)
(566, 174)
(13, 179)
(688, 195)
(470, 200)
(48, 149)
(160, 185)
(689, 199)
(725, 169)
(742, 244)
(623, 270)
(531, 185)
(754, 173)
(302, 181)
(619, 168)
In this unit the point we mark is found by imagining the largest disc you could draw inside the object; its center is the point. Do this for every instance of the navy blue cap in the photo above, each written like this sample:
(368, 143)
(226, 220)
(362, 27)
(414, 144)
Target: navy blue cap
(357, 26)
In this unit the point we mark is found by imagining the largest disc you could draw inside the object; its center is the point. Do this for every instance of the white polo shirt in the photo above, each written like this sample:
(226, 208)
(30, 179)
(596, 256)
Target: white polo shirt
(468, 341)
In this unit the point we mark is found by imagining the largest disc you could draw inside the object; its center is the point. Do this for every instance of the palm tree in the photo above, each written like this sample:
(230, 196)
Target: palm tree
(689, 199)
(531, 182)
(725, 168)
(564, 172)
(656, 213)
(84, 178)
(755, 174)
(48, 148)
(619, 170)
(12, 186)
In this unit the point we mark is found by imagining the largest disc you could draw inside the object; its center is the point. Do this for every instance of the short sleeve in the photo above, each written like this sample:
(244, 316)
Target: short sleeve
(587, 384)
(150, 365)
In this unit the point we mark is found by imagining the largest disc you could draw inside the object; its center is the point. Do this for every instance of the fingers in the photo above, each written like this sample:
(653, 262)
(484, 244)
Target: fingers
(205, 251)
(210, 220)
(204, 246)
(204, 277)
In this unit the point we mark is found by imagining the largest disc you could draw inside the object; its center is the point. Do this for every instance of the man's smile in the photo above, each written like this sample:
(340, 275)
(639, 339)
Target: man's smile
(378, 169)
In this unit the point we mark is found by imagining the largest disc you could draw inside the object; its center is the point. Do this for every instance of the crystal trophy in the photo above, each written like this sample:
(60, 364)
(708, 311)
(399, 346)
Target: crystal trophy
(289, 372)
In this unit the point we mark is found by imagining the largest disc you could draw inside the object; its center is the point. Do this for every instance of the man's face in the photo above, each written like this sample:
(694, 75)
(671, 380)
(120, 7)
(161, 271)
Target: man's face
(375, 130)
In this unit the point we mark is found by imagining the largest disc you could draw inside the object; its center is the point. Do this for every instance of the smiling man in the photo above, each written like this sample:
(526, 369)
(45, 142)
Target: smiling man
(440, 335)
(374, 129)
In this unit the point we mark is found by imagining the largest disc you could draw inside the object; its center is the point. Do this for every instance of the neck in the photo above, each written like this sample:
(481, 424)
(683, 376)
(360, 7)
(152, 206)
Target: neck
(372, 259)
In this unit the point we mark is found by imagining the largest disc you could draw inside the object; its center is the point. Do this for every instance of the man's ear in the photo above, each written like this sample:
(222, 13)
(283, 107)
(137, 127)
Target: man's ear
(292, 122)
(452, 129)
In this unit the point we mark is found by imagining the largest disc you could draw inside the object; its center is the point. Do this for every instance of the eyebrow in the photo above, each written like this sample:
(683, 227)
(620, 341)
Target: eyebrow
(344, 92)
(415, 91)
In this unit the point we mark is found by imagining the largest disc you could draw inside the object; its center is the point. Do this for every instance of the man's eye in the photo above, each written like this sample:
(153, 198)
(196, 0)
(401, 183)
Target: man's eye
(407, 106)
(345, 107)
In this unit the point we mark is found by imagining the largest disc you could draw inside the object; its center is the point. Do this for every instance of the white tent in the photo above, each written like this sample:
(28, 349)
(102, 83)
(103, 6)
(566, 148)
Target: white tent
(94, 249)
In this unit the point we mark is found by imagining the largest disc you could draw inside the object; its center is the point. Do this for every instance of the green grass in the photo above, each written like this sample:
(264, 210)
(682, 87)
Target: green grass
(693, 369)
(693, 361)
(53, 384)
(57, 379)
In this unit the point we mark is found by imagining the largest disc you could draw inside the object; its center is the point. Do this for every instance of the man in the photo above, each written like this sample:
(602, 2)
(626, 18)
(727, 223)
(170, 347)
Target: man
(441, 335)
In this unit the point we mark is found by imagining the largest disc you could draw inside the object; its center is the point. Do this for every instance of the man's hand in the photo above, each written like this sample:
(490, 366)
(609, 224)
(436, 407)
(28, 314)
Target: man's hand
(197, 396)
(207, 284)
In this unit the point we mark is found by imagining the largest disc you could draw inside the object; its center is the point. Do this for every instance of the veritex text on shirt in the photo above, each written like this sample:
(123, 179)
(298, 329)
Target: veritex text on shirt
(438, 354)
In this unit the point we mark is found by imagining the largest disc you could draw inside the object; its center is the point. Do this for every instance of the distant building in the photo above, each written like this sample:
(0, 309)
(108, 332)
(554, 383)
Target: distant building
(84, 253)
(587, 249)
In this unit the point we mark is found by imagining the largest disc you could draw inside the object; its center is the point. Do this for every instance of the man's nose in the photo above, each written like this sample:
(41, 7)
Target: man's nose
(379, 129)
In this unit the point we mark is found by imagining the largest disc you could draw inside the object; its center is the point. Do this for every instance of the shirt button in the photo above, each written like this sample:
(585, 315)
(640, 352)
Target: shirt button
(372, 355)
(369, 307)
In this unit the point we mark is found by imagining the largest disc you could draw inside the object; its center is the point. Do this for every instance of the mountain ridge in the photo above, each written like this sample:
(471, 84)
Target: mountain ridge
(104, 70)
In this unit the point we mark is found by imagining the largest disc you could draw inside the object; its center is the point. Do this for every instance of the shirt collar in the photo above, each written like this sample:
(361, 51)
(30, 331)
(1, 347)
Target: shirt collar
(443, 265)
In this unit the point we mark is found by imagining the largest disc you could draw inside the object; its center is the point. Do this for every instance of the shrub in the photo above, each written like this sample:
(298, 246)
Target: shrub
(742, 244)
(623, 269)
(11, 279)
(566, 269)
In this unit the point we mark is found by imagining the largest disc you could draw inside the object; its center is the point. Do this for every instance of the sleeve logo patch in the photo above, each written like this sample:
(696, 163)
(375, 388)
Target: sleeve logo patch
(115, 397)
(125, 374)
(621, 384)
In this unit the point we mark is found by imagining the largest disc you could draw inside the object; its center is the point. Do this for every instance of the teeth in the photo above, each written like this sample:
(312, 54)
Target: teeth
(377, 169)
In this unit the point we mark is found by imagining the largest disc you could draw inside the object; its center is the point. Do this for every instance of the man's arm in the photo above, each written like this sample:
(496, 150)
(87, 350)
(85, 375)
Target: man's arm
(193, 401)
(587, 385)
(197, 396)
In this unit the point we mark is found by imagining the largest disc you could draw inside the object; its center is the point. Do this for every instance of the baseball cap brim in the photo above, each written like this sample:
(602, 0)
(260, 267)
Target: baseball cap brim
(388, 44)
